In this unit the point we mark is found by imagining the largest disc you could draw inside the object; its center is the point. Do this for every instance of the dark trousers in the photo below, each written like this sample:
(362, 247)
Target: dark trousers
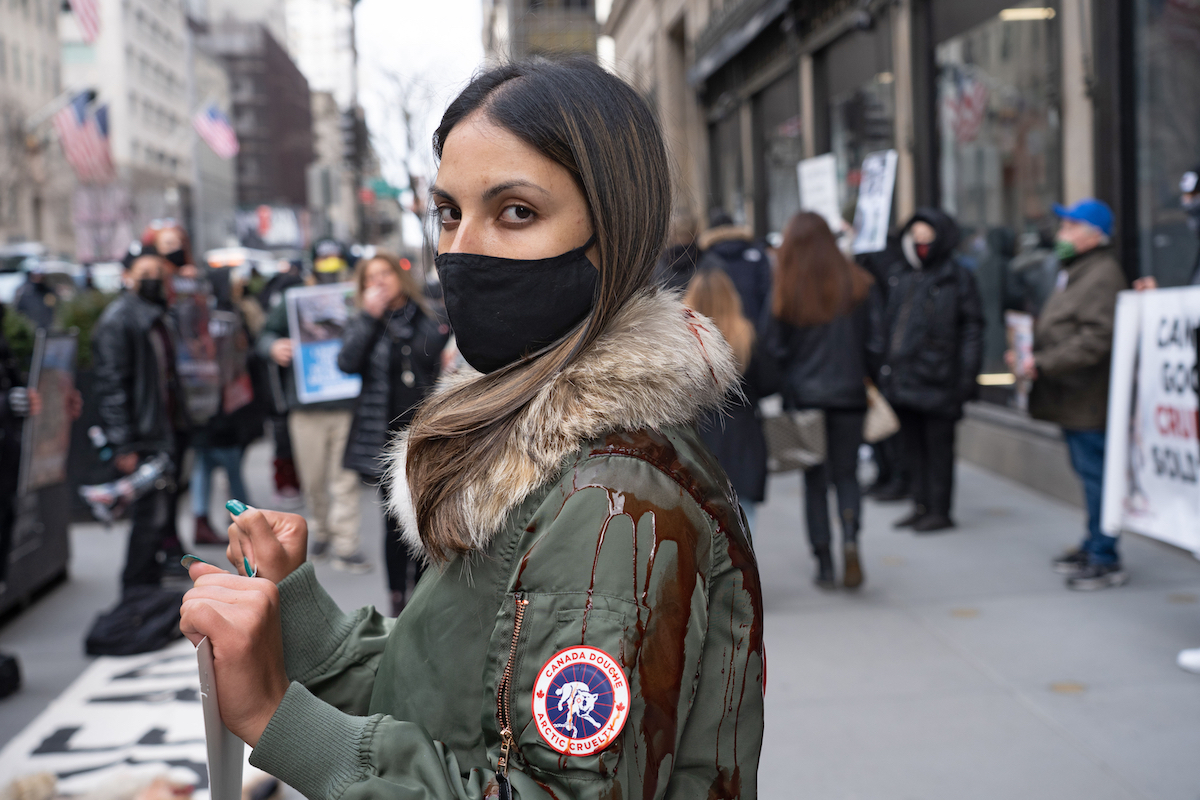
(153, 530)
(1087, 457)
(403, 572)
(928, 443)
(843, 436)
(279, 432)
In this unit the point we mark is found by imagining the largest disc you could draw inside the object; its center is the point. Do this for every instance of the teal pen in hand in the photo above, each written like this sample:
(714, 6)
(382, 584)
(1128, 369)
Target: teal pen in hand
(236, 507)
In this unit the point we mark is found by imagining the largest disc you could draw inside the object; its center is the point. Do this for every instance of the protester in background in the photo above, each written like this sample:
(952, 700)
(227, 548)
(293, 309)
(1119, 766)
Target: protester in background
(1032, 273)
(34, 298)
(1189, 198)
(169, 239)
(677, 264)
(318, 432)
(1072, 343)
(934, 324)
(16, 403)
(287, 483)
(396, 345)
(222, 441)
(730, 247)
(831, 342)
(140, 405)
(735, 433)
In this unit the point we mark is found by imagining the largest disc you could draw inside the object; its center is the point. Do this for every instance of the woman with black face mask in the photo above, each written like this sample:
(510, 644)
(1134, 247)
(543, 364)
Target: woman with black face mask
(591, 622)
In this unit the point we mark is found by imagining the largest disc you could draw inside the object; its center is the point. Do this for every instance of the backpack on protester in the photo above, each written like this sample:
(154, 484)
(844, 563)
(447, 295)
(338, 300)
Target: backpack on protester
(146, 619)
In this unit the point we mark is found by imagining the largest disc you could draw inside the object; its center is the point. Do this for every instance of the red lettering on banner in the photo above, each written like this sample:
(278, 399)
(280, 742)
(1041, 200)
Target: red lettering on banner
(1177, 422)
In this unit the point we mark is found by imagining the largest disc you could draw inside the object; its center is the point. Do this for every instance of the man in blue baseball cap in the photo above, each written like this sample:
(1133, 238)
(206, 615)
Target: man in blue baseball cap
(1072, 343)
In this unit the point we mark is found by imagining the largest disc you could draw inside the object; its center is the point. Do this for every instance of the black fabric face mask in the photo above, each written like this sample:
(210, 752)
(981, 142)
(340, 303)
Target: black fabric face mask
(151, 290)
(502, 309)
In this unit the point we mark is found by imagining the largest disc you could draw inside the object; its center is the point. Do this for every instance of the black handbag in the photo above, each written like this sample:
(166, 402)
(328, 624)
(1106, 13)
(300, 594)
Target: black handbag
(146, 619)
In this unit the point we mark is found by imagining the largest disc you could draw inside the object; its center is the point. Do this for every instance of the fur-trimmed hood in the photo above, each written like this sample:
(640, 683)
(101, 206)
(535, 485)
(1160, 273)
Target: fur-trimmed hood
(659, 364)
(725, 233)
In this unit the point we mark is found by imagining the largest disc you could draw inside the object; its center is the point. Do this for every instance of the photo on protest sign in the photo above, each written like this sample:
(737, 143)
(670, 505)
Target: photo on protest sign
(317, 318)
(46, 438)
(196, 358)
(873, 214)
(1152, 464)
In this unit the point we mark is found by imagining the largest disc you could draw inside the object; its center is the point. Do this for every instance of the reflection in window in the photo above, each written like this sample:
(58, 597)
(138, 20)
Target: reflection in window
(861, 122)
(725, 146)
(1001, 174)
(781, 147)
(1168, 109)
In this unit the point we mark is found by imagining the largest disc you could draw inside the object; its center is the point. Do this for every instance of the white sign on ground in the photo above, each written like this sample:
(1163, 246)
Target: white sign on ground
(819, 189)
(129, 714)
(873, 214)
(1152, 461)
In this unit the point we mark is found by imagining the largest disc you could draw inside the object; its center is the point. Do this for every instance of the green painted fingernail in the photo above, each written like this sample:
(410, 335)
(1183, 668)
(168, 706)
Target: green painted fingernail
(250, 573)
(236, 507)
(190, 559)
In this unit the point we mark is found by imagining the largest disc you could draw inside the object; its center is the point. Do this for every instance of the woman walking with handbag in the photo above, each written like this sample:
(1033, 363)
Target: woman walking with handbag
(831, 340)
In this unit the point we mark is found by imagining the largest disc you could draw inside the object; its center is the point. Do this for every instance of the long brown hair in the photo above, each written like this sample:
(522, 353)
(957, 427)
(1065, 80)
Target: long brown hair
(814, 282)
(408, 281)
(599, 129)
(713, 294)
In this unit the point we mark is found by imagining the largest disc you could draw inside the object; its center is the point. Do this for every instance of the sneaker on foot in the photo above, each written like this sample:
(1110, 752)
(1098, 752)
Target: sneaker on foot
(319, 550)
(890, 493)
(852, 574)
(356, 562)
(1189, 660)
(1070, 562)
(910, 519)
(932, 522)
(824, 578)
(1097, 576)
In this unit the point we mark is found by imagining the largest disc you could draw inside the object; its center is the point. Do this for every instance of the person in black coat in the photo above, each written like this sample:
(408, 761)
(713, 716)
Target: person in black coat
(396, 345)
(934, 324)
(730, 247)
(735, 434)
(831, 340)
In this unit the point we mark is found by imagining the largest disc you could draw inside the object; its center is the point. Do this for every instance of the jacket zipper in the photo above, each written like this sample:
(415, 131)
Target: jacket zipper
(504, 700)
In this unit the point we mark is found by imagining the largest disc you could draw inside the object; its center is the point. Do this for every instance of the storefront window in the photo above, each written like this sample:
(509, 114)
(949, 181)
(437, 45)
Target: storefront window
(1168, 106)
(998, 121)
(777, 112)
(725, 147)
(860, 122)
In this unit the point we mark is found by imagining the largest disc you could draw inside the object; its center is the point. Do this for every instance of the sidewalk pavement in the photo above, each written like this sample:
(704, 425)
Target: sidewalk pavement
(962, 669)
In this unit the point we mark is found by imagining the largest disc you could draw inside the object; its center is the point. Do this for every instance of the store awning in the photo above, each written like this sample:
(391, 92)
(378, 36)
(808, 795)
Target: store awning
(734, 41)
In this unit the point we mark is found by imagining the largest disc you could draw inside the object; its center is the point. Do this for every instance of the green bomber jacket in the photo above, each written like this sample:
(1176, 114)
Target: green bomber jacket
(603, 639)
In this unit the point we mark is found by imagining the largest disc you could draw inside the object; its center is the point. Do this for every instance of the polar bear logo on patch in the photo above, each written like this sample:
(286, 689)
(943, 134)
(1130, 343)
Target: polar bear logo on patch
(579, 700)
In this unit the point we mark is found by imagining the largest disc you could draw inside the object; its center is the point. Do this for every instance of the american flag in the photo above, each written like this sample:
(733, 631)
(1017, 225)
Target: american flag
(87, 14)
(215, 130)
(84, 139)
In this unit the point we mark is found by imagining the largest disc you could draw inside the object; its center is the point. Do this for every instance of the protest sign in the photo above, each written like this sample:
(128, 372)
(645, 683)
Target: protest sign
(819, 189)
(196, 358)
(1018, 328)
(873, 215)
(317, 318)
(46, 438)
(1153, 453)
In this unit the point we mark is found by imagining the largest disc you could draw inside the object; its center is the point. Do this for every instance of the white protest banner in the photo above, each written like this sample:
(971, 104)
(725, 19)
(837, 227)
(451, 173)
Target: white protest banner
(130, 716)
(1152, 461)
(317, 318)
(819, 189)
(873, 214)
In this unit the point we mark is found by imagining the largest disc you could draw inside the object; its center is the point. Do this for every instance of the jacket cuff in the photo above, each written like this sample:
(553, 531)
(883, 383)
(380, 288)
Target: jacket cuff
(313, 747)
(313, 625)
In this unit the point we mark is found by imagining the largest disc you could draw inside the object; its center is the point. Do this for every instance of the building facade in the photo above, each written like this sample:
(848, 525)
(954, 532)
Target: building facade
(214, 179)
(320, 40)
(271, 112)
(134, 66)
(518, 28)
(35, 182)
(331, 187)
(998, 109)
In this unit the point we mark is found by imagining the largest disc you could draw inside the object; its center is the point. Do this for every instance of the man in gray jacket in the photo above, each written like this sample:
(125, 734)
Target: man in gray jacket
(1070, 364)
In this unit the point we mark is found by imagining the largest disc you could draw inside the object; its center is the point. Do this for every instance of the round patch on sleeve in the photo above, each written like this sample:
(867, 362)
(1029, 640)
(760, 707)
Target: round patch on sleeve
(580, 701)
